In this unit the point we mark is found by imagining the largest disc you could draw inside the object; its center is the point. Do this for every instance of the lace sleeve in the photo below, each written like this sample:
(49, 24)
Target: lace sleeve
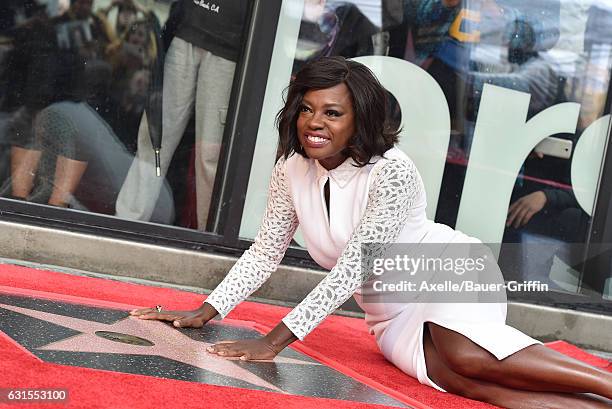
(391, 196)
(256, 264)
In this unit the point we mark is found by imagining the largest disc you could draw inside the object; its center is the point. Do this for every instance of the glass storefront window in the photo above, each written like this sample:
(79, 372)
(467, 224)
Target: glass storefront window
(502, 105)
(92, 89)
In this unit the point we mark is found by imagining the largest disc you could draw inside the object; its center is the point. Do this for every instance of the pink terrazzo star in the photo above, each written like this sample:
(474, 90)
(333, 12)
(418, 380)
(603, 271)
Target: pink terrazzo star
(168, 342)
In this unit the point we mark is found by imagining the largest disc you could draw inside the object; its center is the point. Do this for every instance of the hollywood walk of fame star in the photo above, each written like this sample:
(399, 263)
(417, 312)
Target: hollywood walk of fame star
(167, 342)
(80, 333)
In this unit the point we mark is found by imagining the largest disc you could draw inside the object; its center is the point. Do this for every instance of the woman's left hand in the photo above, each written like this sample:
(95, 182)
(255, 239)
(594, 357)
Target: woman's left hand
(246, 350)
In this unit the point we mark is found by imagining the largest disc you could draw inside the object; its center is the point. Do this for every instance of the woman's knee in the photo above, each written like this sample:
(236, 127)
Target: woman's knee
(469, 363)
(453, 382)
(444, 376)
(461, 355)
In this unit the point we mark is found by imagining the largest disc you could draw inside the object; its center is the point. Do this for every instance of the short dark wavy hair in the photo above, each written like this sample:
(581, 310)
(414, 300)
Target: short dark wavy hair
(373, 133)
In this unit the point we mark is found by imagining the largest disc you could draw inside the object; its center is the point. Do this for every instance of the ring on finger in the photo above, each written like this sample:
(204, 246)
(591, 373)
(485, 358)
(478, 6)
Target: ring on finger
(158, 308)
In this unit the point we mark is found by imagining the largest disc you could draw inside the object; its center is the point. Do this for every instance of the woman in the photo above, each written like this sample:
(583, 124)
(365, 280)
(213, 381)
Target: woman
(332, 140)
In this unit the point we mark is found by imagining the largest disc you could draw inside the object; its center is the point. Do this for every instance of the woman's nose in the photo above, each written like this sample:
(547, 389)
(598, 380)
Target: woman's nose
(316, 121)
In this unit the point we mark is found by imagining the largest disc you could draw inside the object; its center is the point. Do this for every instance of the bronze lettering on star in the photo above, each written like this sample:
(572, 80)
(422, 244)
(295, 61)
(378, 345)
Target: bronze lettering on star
(124, 338)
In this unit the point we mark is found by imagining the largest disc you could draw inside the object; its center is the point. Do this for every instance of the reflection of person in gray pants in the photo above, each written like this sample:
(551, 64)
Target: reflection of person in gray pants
(198, 70)
(80, 162)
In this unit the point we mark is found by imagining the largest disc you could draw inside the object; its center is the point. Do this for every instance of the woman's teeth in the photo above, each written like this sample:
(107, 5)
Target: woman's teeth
(316, 139)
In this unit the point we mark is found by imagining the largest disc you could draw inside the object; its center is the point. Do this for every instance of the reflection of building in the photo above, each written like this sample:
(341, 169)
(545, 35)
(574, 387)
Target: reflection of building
(248, 152)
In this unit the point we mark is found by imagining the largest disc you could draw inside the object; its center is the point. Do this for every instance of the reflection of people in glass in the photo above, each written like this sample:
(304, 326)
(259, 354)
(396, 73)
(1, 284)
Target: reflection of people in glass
(63, 133)
(79, 162)
(553, 212)
(128, 105)
(90, 161)
(198, 73)
(82, 163)
(547, 212)
(127, 13)
(336, 152)
(565, 219)
(57, 137)
(15, 12)
(53, 53)
(131, 58)
(136, 50)
(83, 30)
(425, 27)
(465, 44)
(590, 87)
(333, 28)
(528, 70)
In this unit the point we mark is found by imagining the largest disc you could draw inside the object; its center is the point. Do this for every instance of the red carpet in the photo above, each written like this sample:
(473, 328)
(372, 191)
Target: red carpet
(103, 389)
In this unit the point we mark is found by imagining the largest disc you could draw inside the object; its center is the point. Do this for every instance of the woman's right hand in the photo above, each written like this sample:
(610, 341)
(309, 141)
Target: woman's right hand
(181, 319)
(521, 211)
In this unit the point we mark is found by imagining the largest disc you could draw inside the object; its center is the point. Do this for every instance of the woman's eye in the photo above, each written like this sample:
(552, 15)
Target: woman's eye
(333, 113)
(304, 108)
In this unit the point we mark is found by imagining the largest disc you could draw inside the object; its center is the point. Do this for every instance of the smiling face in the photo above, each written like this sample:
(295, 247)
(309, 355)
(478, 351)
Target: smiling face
(326, 124)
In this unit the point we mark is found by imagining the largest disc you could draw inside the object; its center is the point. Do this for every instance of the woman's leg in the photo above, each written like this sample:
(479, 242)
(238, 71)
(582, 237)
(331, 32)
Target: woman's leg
(535, 368)
(24, 164)
(68, 174)
(498, 395)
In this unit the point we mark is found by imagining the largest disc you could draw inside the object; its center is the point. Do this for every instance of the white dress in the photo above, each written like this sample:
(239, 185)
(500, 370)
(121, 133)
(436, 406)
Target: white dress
(382, 202)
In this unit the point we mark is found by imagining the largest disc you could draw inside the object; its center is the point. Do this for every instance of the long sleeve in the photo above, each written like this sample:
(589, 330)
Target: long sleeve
(559, 199)
(392, 193)
(256, 264)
